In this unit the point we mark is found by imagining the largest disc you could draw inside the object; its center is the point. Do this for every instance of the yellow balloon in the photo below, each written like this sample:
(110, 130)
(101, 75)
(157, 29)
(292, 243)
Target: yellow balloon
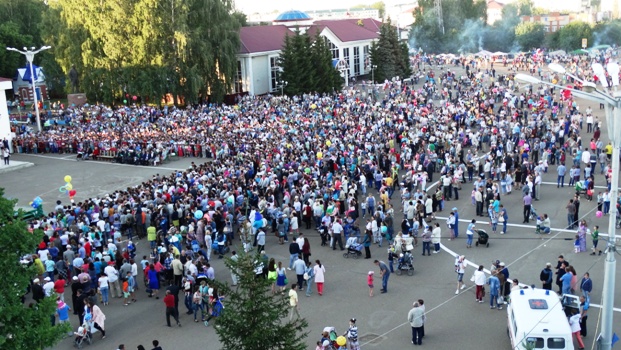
(67, 178)
(341, 340)
(69, 187)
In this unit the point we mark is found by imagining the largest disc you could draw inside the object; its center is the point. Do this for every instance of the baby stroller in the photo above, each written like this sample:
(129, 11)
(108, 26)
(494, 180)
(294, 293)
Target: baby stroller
(405, 263)
(483, 238)
(353, 248)
(83, 335)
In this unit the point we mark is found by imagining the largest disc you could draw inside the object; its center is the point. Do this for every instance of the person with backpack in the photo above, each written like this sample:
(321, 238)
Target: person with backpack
(546, 277)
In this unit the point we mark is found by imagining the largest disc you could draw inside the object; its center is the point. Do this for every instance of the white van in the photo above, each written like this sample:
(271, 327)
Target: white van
(536, 316)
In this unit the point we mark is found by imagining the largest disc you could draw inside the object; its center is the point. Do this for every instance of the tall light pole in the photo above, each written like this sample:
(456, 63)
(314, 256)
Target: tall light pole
(373, 67)
(611, 99)
(30, 54)
(282, 87)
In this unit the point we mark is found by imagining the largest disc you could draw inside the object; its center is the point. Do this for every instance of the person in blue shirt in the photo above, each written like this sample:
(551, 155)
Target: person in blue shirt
(586, 285)
(469, 233)
(566, 281)
(494, 291)
(560, 181)
(585, 303)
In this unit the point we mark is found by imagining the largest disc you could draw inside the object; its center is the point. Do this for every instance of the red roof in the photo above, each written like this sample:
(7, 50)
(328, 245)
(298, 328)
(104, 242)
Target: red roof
(262, 38)
(6, 79)
(348, 29)
(494, 5)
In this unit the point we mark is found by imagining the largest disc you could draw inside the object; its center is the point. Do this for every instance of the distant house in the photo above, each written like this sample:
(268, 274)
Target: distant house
(23, 88)
(494, 11)
(552, 21)
(349, 41)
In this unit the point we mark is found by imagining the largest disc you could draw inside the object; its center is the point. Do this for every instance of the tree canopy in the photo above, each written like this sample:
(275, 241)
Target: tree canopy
(389, 54)
(22, 327)
(146, 47)
(253, 317)
(306, 64)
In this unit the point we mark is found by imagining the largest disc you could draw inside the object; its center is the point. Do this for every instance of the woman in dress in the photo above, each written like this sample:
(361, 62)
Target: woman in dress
(154, 281)
(281, 277)
(582, 235)
(319, 271)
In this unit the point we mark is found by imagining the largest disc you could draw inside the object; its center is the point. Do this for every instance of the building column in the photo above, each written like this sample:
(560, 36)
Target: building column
(5, 123)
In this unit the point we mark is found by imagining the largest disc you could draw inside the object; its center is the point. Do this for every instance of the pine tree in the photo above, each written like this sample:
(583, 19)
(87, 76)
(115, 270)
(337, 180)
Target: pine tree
(22, 327)
(390, 55)
(327, 77)
(253, 318)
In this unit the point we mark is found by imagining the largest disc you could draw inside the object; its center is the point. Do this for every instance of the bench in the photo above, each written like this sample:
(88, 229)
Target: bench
(107, 155)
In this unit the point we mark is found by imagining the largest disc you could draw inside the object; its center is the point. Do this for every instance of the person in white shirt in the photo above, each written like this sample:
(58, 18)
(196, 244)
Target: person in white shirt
(479, 280)
(48, 287)
(113, 280)
(300, 240)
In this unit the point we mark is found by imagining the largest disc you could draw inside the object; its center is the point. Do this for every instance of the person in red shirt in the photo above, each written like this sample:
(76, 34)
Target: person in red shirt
(59, 288)
(169, 301)
(88, 248)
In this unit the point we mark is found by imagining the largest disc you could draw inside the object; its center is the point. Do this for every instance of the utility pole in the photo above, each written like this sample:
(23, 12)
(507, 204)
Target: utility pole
(438, 8)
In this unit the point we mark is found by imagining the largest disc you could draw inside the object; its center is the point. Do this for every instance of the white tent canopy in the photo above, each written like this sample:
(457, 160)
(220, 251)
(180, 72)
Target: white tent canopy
(558, 53)
(484, 53)
(499, 53)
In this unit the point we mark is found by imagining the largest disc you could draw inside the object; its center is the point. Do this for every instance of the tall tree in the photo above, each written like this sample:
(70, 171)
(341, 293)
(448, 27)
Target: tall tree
(22, 327)
(327, 78)
(254, 318)
(571, 35)
(390, 55)
(529, 35)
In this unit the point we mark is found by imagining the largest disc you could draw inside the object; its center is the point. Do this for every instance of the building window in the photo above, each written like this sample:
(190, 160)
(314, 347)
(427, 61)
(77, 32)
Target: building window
(274, 71)
(356, 61)
(333, 49)
(239, 79)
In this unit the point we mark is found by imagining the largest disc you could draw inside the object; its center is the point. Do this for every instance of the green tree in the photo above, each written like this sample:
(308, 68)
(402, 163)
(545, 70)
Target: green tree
(22, 327)
(571, 35)
(186, 48)
(327, 78)
(525, 7)
(607, 32)
(529, 35)
(254, 318)
(389, 54)
(241, 18)
(551, 40)
(297, 64)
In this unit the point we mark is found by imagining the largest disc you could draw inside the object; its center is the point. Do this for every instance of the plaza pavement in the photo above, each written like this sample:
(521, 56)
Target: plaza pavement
(453, 321)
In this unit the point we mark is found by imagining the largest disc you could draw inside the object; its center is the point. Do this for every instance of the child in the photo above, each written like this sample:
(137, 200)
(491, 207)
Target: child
(577, 244)
(62, 311)
(472, 200)
(126, 292)
(600, 201)
(370, 283)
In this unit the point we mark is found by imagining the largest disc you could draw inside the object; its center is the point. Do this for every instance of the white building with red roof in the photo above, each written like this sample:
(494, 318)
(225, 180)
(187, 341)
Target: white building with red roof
(349, 41)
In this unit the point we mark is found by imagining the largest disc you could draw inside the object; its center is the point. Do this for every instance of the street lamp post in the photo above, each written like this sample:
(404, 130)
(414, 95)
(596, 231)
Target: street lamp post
(282, 87)
(373, 67)
(612, 103)
(30, 54)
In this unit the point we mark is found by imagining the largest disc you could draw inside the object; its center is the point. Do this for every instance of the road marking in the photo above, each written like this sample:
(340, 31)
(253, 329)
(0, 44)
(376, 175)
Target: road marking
(468, 262)
(554, 183)
(552, 229)
(72, 159)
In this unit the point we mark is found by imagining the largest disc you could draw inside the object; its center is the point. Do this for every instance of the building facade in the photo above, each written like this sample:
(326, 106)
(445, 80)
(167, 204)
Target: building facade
(349, 41)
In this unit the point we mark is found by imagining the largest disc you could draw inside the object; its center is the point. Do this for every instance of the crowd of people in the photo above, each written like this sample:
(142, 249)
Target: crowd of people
(277, 163)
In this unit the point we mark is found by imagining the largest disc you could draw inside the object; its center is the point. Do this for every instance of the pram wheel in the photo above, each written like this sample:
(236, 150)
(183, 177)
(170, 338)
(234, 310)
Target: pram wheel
(411, 272)
(476, 244)
(357, 255)
(487, 245)
(398, 272)
(346, 255)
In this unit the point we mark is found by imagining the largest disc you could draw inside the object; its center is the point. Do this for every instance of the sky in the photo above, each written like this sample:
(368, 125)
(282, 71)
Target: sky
(262, 6)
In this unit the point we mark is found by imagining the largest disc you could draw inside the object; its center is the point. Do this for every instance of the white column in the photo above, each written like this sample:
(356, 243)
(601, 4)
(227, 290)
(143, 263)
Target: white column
(5, 123)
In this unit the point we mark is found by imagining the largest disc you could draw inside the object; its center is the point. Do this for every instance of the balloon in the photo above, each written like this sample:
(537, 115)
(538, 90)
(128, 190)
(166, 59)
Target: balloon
(69, 186)
(62, 189)
(599, 214)
(124, 101)
(384, 229)
(72, 193)
(134, 97)
(341, 340)
(67, 178)
(257, 216)
(198, 214)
